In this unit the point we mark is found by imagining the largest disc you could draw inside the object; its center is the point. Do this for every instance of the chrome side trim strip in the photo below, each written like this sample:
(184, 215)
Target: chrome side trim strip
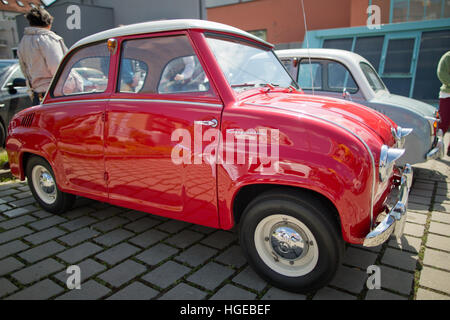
(349, 131)
(213, 105)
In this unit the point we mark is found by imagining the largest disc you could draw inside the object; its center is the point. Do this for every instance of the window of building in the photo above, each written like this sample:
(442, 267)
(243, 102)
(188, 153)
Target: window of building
(342, 44)
(86, 72)
(417, 10)
(370, 48)
(399, 56)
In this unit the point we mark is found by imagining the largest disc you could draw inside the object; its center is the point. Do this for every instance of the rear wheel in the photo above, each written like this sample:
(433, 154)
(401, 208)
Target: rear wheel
(42, 183)
(292, 241)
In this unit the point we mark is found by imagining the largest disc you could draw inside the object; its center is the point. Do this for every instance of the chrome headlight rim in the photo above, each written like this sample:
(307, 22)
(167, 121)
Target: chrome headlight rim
(388, 156)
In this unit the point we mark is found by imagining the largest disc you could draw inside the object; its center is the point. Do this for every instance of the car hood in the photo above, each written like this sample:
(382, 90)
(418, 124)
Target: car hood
(350, 115)
(422, 108)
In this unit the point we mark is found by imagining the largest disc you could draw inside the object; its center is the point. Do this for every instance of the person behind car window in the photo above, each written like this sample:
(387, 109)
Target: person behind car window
(443, 73)
(177, 74)
(40, 52)
(128, 77)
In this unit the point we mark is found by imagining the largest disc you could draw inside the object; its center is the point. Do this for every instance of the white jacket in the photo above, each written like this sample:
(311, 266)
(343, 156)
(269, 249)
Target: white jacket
(40, 52)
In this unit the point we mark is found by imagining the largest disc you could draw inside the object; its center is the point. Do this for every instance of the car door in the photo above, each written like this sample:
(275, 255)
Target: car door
(75, 115)
(331, 78)
(163, 102)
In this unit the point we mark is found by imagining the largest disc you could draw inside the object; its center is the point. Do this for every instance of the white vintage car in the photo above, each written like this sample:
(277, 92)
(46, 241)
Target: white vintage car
(347, 75)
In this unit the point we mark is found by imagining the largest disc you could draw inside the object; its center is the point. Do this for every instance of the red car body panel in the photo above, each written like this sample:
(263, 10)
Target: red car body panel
(116, 147)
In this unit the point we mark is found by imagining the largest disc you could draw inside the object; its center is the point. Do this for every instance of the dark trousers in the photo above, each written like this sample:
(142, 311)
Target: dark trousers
(37, 97)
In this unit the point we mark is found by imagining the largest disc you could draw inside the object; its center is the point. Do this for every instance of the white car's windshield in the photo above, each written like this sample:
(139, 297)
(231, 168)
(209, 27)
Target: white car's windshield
(372, 77)
(246, 66)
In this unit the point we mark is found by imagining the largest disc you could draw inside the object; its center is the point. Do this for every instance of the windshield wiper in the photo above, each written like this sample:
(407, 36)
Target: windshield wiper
(242, 85)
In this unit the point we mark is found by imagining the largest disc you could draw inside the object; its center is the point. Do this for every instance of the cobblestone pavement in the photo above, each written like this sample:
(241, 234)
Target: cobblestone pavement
(126, 254)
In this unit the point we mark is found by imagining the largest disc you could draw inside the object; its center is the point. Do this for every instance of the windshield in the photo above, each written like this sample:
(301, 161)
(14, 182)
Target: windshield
(372, 77)
(246, 66)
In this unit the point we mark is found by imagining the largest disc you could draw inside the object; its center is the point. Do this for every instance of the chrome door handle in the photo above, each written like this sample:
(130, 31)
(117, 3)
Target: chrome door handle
(211, 123)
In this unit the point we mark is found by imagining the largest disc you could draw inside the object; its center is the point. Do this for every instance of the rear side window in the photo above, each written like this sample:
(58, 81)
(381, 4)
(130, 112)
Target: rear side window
(85, 72)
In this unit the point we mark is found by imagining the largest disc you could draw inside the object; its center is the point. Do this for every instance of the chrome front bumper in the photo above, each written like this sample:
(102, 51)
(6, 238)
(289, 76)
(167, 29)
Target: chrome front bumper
(438, 151)
(395, 220)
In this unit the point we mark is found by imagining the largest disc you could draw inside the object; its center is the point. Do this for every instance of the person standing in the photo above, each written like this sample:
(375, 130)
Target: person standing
(443, 73)
(40, 52)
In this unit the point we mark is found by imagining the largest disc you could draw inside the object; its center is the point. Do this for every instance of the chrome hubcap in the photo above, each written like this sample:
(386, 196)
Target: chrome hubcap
(44, 184)
(286, 245)
(288, 241)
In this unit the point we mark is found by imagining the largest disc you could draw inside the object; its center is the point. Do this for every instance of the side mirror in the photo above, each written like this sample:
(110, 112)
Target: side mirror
(17, 82)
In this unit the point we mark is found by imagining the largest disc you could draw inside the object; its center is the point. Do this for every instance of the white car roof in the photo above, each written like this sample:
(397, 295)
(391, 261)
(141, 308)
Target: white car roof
(165, 25)
(333, 54)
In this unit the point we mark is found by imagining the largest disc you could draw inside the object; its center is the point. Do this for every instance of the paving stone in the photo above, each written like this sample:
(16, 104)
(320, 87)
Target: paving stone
(443, 207)
(166, 274)
(184, 292)
(418, 218)
(11, 248)
(202, 229)
(16, 212)
(4, 207)
(142, 224)
(23, 195)
(350, 279)
(439, 217)
(376, 249)
(110, 224)
(41, 214)
(77, 213)
(14, 234)
(423, 294)
(45, 235)
(413, 229)
(134, 215)
(185, 238)
(230, 292)
(426, 201)
(439, 228)
(220, 239)
(437, 259)
(400, 259)
(47, 222)
(421, 193)
(328, 293)
(79, 236)
(9, 265)
(88, 268)
(90, 290)
(278, 294)
(250, 279)
(211, 275)
(156, 254)
(22, 202)
(16, 222)
(122, 273)
(406, 243)
(8, 192)
(37, 271)
(233, 256)
(148, 238)
(42, 251)
(7, 199)
(118, 253)
(78, 223)
(173, 226)
(79, 252)
(359, 258)
(438, 242)
(6, 287)
(107, 213)
(196, 255)
(435, 279)
(135, 291)
(383, 295)
(113, 237)
(398, 281)
(39, 291)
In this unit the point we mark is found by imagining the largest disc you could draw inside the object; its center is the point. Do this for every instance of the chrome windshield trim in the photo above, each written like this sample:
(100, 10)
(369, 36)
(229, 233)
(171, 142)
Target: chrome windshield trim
(372, 159)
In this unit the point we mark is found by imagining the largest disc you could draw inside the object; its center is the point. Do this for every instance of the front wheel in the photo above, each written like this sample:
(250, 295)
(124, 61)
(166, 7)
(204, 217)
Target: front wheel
(42, 183)
(292, 241)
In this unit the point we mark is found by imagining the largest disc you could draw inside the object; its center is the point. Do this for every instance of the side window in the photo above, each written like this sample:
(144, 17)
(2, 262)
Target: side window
(85, 72)
(16, 74)
(339, 78)
(161, 65)
(291, 66)
(310, 73)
